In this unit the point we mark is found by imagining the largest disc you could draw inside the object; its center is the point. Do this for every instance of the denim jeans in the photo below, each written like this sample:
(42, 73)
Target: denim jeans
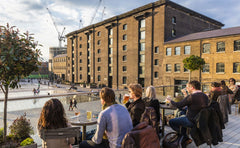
(182, 122)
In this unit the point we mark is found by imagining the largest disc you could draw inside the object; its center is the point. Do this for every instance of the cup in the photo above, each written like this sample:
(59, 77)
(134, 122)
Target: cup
(126, 98)
(76, 112)
(89, 115)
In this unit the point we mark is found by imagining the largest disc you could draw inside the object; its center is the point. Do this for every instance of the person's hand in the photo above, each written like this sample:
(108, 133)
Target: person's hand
(168, 98)
(184, 91)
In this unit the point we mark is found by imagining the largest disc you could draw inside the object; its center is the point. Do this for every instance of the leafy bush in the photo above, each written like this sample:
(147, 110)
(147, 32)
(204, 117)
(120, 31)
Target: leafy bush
(27, 141)
(1, 135)
(21, 128)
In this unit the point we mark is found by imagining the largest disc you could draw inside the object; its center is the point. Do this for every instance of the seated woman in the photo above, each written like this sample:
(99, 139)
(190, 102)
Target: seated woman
(114, 120)
(215, 92)
(137, 107)
(53, 117)
(151, 101)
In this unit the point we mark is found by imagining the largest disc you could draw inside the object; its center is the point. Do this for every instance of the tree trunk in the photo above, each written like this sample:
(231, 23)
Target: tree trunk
(5, 114)
(189, 78)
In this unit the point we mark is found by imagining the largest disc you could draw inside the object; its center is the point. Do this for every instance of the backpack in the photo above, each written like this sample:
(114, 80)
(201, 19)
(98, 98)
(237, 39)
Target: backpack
(237, 95)
(172, 140)
(150, 117)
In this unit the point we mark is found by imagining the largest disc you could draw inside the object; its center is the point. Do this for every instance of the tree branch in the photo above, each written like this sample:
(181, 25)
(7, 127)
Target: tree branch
(2, 89)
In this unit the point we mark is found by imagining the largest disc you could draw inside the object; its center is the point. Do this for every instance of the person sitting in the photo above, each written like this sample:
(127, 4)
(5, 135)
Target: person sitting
(114, 120)
(215, 92)
(196, 101)
(151, 101)
(53, 117)
(232, 85)
(137, 107)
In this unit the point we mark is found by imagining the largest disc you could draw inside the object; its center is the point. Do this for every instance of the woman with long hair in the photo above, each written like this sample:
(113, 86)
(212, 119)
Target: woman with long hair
(53, 117)
(232, 85)
(151, 101)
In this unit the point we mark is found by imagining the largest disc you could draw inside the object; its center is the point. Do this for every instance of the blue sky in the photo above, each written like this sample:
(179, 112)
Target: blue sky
(32, 15)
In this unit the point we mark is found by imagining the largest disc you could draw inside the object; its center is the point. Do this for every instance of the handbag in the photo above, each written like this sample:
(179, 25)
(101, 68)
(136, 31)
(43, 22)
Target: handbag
(172, 140)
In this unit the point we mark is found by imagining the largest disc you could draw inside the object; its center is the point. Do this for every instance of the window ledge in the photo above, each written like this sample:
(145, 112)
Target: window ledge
(205, 72)
(168, 72)
(220, 72)
(236, 73)
(177, 72)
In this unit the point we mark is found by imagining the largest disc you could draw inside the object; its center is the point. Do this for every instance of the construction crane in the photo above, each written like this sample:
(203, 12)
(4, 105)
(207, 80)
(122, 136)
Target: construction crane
(103, 13)
(60, 35)
(94, 14)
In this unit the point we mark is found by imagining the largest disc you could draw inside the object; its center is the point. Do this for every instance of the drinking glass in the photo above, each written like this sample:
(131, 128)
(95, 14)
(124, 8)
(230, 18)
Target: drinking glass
(89, 115)
(126, 98)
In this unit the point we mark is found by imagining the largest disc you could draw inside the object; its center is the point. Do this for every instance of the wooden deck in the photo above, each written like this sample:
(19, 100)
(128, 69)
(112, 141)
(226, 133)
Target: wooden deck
(231, 133)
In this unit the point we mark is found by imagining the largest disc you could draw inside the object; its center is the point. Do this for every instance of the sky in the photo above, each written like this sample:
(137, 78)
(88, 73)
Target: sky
(33, 16)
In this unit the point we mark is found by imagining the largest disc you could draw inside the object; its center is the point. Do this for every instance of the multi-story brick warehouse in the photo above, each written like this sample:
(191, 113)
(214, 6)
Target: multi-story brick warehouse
(131, 47)
(59, 66)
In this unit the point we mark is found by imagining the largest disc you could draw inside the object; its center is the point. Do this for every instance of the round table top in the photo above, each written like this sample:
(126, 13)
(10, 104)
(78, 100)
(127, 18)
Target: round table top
(82, 121)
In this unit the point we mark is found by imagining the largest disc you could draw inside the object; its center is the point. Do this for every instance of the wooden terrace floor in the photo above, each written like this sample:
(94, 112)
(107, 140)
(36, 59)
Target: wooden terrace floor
(231, 133)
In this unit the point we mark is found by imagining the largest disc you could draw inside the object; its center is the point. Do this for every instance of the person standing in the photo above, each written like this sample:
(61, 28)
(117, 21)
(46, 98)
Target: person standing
(74, 103)
(114, 120)
(196, 101)
(137, 107)
(70, 105)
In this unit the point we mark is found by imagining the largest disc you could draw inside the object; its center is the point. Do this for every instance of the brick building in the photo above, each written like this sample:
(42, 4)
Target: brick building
(219, 48)
(131, 47)
(59, 66)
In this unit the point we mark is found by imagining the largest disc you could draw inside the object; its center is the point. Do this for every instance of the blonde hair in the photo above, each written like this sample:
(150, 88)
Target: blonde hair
(136, 89)
(151, 92)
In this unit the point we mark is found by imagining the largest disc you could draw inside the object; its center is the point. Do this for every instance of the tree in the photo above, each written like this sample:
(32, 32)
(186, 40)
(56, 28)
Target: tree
(193, 63)
(18, 58)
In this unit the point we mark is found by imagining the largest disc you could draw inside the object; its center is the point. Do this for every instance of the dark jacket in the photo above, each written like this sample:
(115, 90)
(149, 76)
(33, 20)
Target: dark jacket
(149, 116)
(195, 102)
(207, 127)
(142, 136)
(150, 102)
(135, 110)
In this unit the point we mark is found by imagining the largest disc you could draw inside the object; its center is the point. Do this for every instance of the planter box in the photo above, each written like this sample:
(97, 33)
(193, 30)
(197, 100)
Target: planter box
(34, 145)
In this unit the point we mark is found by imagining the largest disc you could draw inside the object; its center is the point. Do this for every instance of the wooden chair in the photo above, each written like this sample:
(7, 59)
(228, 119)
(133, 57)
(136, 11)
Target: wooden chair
(61, 133)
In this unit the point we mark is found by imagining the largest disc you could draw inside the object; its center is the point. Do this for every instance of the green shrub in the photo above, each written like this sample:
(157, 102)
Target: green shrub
(27, 141)
(1, 135)
(21, 128)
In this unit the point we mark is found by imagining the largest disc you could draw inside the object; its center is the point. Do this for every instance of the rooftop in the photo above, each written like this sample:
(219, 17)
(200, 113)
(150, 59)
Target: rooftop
(207, 34)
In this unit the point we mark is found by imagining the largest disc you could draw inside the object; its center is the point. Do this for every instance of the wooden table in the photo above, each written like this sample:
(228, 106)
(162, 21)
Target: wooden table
(82, 121)
(162, 108)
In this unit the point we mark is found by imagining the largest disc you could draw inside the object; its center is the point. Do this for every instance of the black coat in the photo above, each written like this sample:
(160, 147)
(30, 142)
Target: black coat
(208, 126)
(136, 110)
(150, 102)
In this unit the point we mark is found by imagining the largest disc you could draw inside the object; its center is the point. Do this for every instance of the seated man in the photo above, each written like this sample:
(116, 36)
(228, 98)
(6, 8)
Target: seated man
(114, 120)
(194, 102)
(137, 107)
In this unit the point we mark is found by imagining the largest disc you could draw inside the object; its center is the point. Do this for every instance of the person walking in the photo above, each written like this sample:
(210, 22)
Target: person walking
(74, 103)
(70, 105)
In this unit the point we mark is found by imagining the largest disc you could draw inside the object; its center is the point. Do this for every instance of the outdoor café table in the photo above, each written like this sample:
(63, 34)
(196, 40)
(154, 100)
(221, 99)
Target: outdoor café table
(82, 121)
(163, 107)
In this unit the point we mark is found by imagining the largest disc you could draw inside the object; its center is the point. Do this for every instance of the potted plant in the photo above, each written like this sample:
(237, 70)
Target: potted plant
(19, 135)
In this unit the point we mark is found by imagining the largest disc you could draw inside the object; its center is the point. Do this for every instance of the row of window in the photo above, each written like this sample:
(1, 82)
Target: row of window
(59, 67)
(221, 46)
(60, 60)
(220, 68)
(206, 48)
(177, 50)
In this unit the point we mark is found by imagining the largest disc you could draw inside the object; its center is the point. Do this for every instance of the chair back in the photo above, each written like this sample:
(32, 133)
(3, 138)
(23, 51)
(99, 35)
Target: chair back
(60, 133)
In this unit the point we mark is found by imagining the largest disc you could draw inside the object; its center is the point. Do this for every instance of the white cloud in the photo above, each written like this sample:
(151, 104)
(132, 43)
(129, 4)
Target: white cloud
(32, 15)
